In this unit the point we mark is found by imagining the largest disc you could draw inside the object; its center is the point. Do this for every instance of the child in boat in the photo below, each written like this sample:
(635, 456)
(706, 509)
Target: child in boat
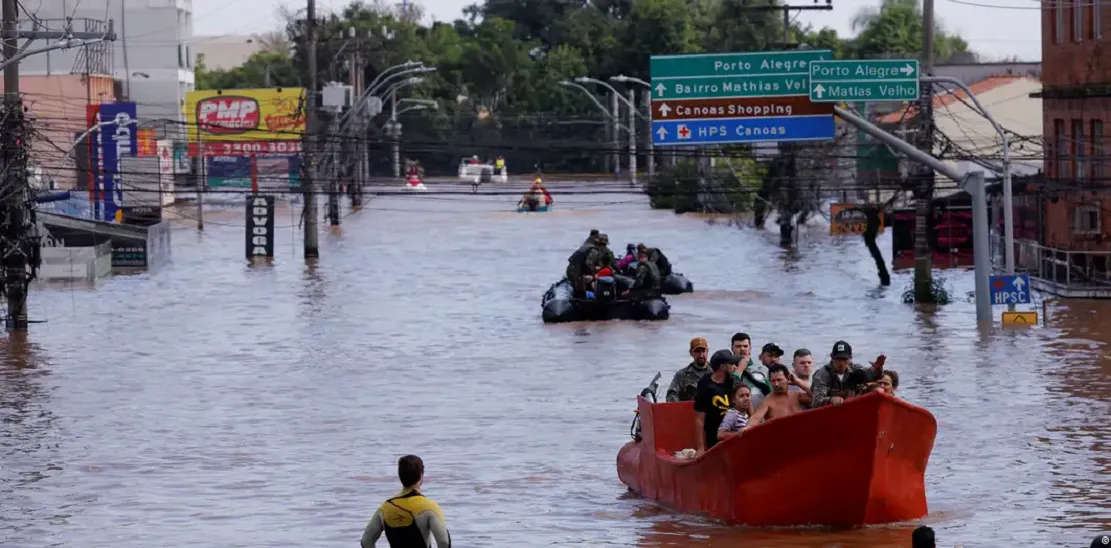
(736, 418)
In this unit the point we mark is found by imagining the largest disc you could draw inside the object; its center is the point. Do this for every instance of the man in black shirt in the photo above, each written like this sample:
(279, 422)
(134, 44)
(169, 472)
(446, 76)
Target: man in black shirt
(712, 400)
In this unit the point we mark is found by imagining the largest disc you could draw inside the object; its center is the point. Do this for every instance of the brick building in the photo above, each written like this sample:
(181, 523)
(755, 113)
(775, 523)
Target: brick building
(1076, 106)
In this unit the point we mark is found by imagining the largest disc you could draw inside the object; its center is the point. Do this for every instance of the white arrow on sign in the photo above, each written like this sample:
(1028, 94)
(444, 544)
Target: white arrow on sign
(907, 70)
(664, 109)
(660, 89)
(1018, 283)
(662, 133)
(819, 91)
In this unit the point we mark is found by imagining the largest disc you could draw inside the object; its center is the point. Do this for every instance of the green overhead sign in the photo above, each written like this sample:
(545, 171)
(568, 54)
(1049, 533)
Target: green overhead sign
(715, 75)
(886, 80)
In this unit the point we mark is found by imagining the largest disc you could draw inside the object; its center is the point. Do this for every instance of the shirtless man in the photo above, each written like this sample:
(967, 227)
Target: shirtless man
(781, 402)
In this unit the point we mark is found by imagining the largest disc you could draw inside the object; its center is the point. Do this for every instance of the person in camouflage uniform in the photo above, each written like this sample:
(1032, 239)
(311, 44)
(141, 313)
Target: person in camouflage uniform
(841, 379)
(600, 255)
(578, 264)
(656, 257)
(647, 281)
(684, 384)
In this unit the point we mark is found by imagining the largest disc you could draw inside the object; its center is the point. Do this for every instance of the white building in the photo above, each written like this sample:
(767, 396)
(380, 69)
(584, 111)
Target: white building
(151, 58)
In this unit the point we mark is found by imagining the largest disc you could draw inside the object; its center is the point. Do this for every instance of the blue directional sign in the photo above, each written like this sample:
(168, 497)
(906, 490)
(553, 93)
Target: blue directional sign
(743, 130)
(1010, 289)
(751, 97)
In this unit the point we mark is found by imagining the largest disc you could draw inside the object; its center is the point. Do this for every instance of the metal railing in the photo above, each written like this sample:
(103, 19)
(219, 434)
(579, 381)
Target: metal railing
(1059, 267)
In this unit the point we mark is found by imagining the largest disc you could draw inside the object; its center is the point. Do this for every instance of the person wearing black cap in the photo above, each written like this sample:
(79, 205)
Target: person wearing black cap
(713, 399)
(840, 378)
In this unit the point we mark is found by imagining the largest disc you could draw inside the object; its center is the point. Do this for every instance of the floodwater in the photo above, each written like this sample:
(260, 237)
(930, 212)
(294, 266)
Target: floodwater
(211, 403)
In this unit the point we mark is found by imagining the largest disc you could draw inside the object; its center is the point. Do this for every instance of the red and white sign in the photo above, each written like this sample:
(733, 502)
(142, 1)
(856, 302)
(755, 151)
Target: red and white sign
(684, 133)
(246, 148)
(228, 115)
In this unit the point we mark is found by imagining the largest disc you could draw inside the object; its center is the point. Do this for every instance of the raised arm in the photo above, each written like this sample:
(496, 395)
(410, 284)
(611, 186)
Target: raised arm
(758, 416)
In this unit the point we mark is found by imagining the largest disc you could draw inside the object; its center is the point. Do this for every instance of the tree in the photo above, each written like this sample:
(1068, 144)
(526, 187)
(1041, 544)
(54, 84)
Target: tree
(894, 28)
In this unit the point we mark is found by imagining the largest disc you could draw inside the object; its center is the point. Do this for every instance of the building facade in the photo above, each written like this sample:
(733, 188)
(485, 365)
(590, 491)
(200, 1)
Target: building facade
(1076, 107)
(152, 58)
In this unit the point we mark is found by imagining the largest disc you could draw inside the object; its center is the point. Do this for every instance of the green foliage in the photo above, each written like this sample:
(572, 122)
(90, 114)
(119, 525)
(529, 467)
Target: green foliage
(727, 187)
(498, 70)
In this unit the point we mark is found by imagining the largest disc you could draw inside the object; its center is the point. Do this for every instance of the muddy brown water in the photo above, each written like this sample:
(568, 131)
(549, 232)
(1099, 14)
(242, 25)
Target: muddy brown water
(211, 403)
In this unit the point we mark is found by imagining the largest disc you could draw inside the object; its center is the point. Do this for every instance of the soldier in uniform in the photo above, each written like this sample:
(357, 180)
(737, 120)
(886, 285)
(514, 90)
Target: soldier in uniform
(577, 263)
(647, 280)
(658, 258)
(684, 384)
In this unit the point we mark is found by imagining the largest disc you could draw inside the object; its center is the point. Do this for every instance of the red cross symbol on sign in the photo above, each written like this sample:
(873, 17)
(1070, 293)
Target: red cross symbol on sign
(999, 284)
(684, 133)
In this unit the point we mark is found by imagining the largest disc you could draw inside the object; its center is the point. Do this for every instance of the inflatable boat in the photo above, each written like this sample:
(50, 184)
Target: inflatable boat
(672, 284)
(862, 463)
(538, 209)
(560, 305)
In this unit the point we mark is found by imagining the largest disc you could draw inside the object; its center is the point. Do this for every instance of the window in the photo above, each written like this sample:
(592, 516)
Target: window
(188, 57)
(181, 56)
(1078, 19)
(1097, 32)
(1059, 137)
(1086, 219)
(1097, 151)
(1059, 22)
(1078, 147)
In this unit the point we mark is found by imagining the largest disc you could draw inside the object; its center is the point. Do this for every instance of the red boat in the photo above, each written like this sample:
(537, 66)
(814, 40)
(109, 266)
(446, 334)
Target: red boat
(863, 463)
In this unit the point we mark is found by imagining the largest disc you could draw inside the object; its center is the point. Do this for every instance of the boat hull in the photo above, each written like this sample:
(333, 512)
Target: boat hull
(863, 463)
(539, 209)
(560, 306)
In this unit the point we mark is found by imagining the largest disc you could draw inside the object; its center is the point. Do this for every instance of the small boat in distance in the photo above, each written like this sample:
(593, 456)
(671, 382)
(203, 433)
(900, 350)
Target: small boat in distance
(862, 463)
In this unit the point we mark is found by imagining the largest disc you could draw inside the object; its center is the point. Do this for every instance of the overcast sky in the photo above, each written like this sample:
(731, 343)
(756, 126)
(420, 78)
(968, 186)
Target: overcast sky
(1010, 28)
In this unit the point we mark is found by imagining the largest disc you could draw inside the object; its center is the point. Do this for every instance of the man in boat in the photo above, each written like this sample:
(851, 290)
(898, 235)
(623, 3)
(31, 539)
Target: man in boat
(684, 385)
(499, 165)
(753, 374)
(577, 263)
(409, 520)
(533, 197)
(712, 400)
(834, 382)
(629, 258)
(657, 256)
(802, 365)
(600, 255)
(647, 281)
(781, 402)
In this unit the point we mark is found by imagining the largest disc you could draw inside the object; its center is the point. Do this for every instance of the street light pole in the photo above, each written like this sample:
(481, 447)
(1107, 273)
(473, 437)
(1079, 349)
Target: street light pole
(649, 145)
(395, 126)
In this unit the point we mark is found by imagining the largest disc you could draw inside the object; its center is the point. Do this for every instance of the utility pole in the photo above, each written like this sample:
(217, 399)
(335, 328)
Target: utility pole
(18, 241)
(648, 142)
(394, 134)
(312, 245)
(632, 135)
(923, 191)
(359, 143)
(615, 120)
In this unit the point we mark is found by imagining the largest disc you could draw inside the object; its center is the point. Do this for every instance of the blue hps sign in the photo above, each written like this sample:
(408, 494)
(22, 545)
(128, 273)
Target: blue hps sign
(1010, 289)
(116, 138)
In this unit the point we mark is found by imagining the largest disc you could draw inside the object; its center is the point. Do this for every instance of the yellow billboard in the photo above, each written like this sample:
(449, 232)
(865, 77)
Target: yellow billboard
(238, 115)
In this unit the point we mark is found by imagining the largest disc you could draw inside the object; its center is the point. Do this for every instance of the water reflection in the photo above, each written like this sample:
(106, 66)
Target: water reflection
(29, 452)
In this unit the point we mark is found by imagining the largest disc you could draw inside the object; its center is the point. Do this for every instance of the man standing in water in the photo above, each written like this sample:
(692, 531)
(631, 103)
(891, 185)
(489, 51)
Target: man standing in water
(713, 400)
(684, 384)
(410, 520)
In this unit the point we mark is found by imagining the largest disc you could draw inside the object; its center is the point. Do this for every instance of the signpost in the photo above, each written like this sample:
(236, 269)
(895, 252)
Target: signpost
(1010, 289)
(719, 98)
(1026, 319)
(885, 80)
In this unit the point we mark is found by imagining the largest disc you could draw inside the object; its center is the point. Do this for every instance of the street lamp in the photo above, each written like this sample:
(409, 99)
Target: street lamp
(423, 102)
(630, 102)
(394, 127)
(405, 65)
(622, 79)
(414, 107)
(413, 70)
(616, 123)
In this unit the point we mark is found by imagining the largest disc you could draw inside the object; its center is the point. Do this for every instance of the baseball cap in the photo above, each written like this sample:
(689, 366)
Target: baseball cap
(841, 349)
(699, 342)
(773, 349)
(722, 357)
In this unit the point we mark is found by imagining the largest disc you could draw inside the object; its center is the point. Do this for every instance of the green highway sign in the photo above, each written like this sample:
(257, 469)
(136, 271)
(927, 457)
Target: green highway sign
(883, 80)
(714, 75)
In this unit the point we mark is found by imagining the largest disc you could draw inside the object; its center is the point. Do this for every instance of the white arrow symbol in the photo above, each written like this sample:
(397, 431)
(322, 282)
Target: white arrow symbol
(664, 109)
(660, 89)
(819, 91)
(908, 70)
(662, 133)
(1018, 283)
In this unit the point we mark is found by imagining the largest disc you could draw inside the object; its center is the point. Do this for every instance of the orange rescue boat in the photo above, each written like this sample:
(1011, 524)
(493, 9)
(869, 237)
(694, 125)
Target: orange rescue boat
(863, 463)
